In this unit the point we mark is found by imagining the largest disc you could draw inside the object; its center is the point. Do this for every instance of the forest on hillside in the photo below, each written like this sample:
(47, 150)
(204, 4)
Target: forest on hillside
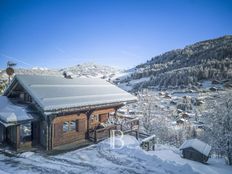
(206, 60)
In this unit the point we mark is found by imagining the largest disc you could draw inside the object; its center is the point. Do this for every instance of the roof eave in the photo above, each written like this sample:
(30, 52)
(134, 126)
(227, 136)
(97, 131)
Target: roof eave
(89, 107)
(8, 88)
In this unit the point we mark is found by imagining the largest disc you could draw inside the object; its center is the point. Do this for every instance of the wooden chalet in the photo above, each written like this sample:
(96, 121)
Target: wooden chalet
(52, 111)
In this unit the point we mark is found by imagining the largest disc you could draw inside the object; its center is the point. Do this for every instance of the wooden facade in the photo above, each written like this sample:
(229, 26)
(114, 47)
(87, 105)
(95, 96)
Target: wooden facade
(75, 132)
(193, 154)
(77, 127)
(66, 129)
(87, 126)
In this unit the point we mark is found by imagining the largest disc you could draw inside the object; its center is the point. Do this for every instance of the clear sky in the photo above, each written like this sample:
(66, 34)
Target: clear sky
(121, 33)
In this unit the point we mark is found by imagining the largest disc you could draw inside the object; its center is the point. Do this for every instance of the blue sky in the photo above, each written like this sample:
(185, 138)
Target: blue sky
(121, 33)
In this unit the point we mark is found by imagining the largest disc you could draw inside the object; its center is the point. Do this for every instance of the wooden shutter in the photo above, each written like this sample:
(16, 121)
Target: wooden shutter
(81, 125)
(58, 129)
(77, 125)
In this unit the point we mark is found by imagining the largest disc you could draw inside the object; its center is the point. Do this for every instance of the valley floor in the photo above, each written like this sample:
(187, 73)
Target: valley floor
(101, 158)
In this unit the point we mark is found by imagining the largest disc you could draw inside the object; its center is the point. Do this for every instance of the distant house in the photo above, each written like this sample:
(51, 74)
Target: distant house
(179, 111)
(213, 89)
(161, 93)
(51, 111)
(167, 95)
(184, 115)
(196, 150)
(216, 82)
(199, 102)
(180, 121)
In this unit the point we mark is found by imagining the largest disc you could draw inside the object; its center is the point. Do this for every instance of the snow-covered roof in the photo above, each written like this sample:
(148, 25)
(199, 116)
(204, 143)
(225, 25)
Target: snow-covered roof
(149, 138)
(11, 113)
(197, 145)
(55, 93)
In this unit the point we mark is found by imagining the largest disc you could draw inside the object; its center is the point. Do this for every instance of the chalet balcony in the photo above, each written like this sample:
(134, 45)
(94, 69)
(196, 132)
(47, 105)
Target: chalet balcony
(121, 123)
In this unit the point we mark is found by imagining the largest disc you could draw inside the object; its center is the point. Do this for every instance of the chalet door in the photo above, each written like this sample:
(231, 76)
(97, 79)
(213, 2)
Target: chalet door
(2, 134)
(35, 133)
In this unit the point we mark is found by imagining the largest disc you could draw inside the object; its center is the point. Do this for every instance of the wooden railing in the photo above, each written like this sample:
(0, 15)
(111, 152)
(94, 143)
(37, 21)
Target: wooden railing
(130, 125)
(127, 125)
(97, 135)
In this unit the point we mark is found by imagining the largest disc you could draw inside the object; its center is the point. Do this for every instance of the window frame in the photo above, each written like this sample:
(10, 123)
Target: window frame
(94, 118)
(25, 137)
(69, 127)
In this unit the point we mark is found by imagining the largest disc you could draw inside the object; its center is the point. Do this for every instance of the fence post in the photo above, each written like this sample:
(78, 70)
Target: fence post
(137, 135)
(95, 136)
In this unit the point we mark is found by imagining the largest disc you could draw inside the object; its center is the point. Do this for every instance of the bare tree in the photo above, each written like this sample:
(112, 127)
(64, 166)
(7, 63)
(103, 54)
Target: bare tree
(147, 119)
(220, 126)
(157, 121)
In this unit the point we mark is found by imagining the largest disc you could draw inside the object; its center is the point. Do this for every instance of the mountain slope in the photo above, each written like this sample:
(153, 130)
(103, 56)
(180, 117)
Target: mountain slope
(206, 60)
(92, 70)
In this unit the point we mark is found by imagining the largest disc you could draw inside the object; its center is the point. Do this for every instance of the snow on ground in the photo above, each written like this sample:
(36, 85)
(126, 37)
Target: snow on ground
(213, 166)
(101, 158)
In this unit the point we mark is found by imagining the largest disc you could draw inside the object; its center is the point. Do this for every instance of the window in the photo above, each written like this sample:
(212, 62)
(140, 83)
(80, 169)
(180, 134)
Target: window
(69, 126)
(94, 118)
(72, 125)
(27, 98)
(65, 127)
(103, 117)
(97, 117)
(25, 132)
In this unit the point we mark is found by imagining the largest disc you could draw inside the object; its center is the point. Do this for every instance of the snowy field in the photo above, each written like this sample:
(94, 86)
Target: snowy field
(101, 158)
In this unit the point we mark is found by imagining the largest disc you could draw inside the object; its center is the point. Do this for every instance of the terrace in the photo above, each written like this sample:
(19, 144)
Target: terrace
(127, 125)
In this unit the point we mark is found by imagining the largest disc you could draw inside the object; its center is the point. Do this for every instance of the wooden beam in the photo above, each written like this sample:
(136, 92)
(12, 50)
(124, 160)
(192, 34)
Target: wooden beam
(88, 114)
(17, 136)
(14, 86)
